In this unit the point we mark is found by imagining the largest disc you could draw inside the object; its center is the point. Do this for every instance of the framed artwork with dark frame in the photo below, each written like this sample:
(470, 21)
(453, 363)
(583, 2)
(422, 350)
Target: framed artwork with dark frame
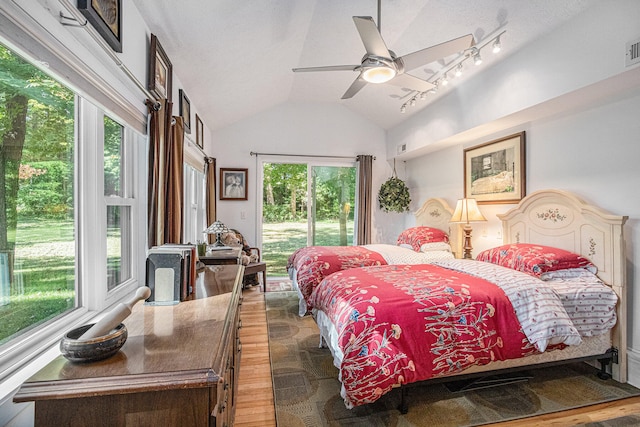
(233, 184)
(185, 111)
(160, 71)
(199, 132)
(494, 172)
(105, 16)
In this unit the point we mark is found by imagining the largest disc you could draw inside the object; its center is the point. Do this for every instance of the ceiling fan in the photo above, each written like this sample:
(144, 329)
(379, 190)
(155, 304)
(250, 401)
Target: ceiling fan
(381, 65)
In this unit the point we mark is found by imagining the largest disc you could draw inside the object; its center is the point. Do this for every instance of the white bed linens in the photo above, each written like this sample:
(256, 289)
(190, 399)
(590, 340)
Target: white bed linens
(393, 254)
(590, 303)
(542, 316)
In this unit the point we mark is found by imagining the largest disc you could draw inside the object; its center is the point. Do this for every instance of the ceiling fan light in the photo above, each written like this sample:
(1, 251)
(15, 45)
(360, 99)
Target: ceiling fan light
(445, 80)
(459, 70)
(403, 109)
(378, 74)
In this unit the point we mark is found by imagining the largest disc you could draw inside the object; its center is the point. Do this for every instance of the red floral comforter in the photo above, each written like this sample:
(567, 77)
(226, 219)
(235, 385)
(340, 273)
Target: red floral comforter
(312, 264)
(400, 324)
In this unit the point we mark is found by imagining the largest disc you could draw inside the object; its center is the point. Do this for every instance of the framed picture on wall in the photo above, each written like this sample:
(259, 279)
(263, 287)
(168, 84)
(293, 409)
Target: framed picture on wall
(185, 111)
(160, 71)
(233, 184)
(494, 172)
(199, 132)
(105, 17)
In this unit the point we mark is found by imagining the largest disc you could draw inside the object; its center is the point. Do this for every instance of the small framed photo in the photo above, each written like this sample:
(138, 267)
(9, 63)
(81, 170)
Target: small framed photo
(199, 132)
(494, 172)
(185, 111)
(160, 71)
(233, 184)
(105, 16)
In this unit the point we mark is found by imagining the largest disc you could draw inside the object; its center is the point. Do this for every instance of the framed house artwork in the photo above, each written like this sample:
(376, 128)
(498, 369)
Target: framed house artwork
(199, 132)
(160, 71)
(105, 17)
(233, 184)
(185, 111)
(494, 172)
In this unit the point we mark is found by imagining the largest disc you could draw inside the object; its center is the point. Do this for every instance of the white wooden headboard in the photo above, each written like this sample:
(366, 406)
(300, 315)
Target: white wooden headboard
(437, 213)
(562, 220)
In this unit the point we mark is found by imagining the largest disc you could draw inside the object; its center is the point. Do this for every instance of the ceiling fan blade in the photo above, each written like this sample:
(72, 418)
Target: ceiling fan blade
(355, 87)
(410, 82)
(373, 42)
(423, 57)
(328, 68)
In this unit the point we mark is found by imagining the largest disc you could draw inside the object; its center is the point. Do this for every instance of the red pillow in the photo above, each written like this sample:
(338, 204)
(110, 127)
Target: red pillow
(534, 259)
(415, 237)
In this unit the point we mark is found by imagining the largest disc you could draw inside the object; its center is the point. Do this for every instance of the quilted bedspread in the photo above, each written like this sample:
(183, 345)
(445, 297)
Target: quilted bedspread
(399, 324)
(312, 264)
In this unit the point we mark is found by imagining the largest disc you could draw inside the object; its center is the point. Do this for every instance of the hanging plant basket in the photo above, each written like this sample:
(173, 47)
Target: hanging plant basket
(394, 195)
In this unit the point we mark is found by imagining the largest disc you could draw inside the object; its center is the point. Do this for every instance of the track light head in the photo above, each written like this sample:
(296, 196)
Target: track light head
(477, 59)
(497, 46)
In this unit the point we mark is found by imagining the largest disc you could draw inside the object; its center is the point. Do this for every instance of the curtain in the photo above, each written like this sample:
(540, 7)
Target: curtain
(159, 127)
(175, 187)
(364, 202)
(210, 188)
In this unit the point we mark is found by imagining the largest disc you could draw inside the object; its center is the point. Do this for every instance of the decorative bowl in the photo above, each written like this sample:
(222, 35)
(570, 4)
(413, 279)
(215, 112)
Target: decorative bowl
(93, 349)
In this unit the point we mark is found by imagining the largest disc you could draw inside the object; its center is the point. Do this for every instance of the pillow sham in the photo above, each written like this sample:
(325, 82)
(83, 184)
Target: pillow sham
(535, 259)
(415, 237)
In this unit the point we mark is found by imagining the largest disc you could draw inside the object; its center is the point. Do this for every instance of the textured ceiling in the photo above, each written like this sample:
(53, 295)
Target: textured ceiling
(234, 58)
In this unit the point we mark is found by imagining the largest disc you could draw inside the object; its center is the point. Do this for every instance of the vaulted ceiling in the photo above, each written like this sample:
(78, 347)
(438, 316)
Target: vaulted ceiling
(234, 58)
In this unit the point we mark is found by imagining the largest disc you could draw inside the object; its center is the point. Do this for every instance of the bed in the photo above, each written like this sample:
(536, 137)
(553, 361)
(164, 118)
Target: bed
(455, 324)
(432, 238)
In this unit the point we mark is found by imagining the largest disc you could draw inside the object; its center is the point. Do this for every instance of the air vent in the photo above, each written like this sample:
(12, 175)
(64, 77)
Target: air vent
(632, 55)
(402, 148)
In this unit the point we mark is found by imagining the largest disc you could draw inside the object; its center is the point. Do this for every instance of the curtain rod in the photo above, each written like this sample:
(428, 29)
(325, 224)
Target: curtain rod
(252, 153)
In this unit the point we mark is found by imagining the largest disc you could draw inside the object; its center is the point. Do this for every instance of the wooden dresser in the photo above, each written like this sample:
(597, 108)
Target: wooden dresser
(179, 366)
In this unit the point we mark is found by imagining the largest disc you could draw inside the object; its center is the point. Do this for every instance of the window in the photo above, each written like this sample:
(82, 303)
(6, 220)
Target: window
(37, 229)
(118, 192)
(195, 220)
(73, 226)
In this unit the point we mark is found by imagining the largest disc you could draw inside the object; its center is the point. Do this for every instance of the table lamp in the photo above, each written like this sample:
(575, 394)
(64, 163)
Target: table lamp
(467, 211)
(217, 228)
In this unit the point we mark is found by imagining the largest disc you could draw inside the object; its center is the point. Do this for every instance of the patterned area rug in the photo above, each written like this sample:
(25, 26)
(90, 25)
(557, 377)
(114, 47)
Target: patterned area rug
(307, 391)
(279, 284)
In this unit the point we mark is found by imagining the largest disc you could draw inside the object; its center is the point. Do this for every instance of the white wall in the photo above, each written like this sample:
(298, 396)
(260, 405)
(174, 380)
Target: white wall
(296, 128)
(578, 104)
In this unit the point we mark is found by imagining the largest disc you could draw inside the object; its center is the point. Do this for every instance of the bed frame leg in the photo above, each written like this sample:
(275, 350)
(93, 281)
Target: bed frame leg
(602, 373)
(404, 406)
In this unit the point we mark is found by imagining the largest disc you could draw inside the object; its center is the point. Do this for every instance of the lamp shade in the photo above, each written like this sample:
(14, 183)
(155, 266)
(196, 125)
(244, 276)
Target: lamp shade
(467, 211)
(216, 228)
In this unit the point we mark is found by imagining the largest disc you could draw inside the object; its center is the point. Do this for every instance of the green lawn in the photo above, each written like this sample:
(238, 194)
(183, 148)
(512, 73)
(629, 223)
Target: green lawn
(43, 285)
(281, 239)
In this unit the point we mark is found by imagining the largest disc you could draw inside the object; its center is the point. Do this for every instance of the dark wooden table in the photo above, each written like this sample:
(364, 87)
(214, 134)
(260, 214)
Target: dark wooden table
(178, 367)
(222, 256)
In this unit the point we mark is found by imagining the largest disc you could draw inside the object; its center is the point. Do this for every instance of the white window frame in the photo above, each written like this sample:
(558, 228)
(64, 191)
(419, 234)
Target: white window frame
(92, 296)
(195, 216)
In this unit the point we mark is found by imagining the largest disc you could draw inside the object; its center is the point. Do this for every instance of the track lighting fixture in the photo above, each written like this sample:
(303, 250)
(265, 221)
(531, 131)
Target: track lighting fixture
(455, 67)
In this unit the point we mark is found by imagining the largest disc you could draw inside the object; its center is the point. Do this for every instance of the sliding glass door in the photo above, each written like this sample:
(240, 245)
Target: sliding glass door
(305, 203)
